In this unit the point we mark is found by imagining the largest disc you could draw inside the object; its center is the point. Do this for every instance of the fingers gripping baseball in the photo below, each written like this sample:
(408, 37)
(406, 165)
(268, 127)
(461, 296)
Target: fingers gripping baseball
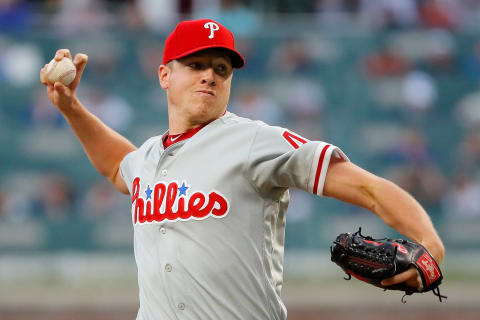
(62, 95)
(62, 53)
(80, 63)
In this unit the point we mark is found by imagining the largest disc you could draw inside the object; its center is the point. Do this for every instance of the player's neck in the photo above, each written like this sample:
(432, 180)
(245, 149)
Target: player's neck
(178, 124)
(177, 128)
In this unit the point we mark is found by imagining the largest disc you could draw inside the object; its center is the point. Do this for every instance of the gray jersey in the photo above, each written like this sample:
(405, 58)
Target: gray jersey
(209, 217)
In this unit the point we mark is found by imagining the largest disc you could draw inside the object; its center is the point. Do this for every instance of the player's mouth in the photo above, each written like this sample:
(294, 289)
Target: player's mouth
(206, 92)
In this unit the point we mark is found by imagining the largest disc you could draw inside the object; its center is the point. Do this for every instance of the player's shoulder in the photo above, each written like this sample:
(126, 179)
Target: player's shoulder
(256, 127)
(150, 143)
(231, 119)
(261, 133)
(149, 146)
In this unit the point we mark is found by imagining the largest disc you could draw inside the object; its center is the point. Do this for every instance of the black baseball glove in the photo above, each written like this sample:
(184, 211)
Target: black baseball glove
(373, 260)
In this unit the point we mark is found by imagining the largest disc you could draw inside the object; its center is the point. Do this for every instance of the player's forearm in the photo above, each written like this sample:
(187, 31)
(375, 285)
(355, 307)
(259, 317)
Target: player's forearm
(104, 147)
(402, 212)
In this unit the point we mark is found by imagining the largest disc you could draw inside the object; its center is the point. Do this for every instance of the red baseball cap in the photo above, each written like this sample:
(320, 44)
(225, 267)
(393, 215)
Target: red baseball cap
(192, 36)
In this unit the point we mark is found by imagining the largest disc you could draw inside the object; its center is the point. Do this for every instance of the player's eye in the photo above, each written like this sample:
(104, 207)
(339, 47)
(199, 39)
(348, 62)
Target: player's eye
(195, 66)
(222, 70)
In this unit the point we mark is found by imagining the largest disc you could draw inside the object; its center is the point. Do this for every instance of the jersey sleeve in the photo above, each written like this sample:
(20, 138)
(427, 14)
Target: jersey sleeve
(131, 165)
(280, 158)
(126, 169)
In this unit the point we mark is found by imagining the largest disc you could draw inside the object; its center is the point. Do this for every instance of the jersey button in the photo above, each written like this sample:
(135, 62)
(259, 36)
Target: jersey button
(168, 268)
(163, 230)
(181, 306)
(164, 172)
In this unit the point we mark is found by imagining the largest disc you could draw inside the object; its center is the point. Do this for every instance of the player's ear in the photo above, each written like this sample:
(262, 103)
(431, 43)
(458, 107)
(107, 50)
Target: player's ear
(164, 76)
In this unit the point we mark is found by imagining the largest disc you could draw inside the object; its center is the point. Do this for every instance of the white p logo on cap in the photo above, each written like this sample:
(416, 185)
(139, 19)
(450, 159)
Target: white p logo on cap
(213, 27)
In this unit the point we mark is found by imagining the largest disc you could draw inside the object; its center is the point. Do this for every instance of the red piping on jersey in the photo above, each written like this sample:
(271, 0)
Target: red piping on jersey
(319, 168)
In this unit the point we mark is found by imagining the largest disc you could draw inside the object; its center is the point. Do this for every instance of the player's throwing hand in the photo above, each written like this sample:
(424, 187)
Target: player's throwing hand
(60, 95)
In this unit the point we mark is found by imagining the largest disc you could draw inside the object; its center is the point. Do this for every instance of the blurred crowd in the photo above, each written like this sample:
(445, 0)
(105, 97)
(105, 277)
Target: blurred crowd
(242, 16)
(402, 99)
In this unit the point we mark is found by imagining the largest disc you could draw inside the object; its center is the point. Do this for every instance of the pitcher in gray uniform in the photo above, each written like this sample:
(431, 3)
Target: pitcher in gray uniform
(209, 196)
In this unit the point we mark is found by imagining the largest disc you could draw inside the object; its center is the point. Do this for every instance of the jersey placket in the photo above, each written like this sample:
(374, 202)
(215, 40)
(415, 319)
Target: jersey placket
(167, 158)
(166, 244)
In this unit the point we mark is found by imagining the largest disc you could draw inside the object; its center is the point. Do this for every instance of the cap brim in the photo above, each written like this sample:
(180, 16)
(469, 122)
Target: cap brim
(237, 59)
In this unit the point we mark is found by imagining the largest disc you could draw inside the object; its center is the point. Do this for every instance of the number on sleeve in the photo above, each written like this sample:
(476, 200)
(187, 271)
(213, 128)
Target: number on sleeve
(294, 140)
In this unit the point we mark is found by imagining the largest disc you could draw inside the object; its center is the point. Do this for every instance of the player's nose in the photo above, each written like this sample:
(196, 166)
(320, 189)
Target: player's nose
(208, 77)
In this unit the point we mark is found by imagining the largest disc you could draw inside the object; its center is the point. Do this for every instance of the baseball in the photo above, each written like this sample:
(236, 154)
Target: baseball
(63, 71)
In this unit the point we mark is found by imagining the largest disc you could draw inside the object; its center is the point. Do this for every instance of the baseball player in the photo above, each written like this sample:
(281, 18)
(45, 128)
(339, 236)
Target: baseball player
(209, 196)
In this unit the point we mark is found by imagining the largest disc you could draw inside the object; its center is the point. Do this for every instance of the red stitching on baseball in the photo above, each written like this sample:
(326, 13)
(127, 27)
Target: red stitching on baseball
(52, 68)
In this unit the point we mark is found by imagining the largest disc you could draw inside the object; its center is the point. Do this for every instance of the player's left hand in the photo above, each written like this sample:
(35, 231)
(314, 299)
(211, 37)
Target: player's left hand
(391, 264)
(411, 277)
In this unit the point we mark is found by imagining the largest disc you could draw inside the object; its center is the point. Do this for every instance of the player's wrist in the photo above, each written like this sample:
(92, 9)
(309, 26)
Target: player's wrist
(436, 249)
(70, 107)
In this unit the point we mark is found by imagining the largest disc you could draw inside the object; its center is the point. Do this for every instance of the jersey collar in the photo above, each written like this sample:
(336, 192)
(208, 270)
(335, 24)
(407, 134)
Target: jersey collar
(170, 139)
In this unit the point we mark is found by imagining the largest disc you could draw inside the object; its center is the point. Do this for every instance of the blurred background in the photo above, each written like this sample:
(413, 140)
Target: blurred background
(395, 84)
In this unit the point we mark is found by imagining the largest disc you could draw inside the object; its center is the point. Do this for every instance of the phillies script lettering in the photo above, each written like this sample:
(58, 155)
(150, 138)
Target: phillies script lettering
(170, 202)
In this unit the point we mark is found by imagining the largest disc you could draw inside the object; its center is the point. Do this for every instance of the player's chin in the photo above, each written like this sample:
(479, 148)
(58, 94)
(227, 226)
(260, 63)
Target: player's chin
(205, 100)
(203, 113)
